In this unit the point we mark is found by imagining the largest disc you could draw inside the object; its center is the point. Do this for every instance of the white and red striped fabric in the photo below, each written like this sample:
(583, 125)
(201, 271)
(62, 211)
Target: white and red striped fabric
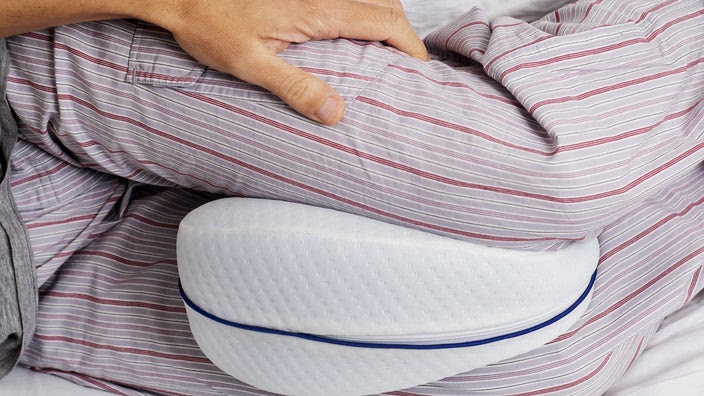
(586, 122)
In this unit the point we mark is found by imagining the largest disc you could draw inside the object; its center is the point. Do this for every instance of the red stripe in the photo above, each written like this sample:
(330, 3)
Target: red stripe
(657, 7)
(456, 84)
(693, 284)
(600, 50)
(627, 134)
(490, 138)
(32, 84)
(649, 230)
(121, 68)
(614, 87)
(99, 384)
(495, 27)
(447, 124)
(108, 323)
(557, 21)
(68, 253)
(461, 28)
(589, 10)
(136, 351)
(160, 76)
(149, 221)
(95, 33)
(34, 225)
(569, 384)
(636, 354)
(90, 58)
(335, 73)
(39, 175)
(632, 295)
(125, 261)
(116, 303)
(491, 62)
(557, 16)
(39, 36)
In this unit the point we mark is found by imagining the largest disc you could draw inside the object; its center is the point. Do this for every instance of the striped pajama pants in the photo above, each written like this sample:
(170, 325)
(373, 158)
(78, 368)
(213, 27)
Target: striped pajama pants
(588, 122)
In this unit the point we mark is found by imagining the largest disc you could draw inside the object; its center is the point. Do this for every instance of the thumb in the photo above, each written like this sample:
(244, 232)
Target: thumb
(307, 94)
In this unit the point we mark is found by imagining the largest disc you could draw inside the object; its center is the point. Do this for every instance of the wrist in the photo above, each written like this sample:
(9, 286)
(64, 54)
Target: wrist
(165, 13)
(24, 16)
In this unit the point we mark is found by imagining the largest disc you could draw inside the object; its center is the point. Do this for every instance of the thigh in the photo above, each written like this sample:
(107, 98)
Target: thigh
(64, 207)
(511, 137)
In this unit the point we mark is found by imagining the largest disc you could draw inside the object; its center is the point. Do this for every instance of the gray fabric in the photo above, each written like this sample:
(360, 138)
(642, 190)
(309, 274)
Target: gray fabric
(18, 289)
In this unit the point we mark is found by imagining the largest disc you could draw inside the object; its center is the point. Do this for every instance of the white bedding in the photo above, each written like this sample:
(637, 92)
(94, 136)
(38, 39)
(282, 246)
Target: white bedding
(25, 382)
(672, 364)
(425, 16)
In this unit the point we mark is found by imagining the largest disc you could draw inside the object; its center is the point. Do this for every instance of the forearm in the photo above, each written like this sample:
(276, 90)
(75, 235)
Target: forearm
(23, 16)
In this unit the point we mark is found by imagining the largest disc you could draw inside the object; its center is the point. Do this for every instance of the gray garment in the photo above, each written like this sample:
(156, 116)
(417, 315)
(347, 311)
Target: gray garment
(18, 289)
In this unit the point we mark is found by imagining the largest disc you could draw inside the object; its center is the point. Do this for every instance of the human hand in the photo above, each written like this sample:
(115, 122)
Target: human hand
(242, 38)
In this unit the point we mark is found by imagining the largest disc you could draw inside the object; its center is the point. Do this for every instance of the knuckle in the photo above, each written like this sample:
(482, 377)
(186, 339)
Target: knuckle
(319, 20)
(396, 17)
(296, 88)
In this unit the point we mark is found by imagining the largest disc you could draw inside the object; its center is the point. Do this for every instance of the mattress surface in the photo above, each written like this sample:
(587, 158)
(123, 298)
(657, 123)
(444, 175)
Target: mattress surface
(328, 292)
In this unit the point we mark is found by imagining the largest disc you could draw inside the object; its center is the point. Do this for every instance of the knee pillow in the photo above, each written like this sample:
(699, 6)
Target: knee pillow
(301, 300)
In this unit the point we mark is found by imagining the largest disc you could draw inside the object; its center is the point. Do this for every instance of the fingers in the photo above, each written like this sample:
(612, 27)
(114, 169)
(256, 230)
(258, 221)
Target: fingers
(246, 45)
(306, 94)
(407, 40)
(378, 20)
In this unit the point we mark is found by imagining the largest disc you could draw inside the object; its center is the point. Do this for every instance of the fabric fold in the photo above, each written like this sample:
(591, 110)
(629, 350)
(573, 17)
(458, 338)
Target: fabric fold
(18, 290)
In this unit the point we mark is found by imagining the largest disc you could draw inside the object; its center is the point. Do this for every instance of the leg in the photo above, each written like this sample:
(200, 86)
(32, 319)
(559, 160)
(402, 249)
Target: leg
(114, 300)
(553, 152)
(63, 206)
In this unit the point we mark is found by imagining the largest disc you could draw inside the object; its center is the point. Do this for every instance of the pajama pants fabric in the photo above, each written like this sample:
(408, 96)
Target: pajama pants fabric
(588, 122)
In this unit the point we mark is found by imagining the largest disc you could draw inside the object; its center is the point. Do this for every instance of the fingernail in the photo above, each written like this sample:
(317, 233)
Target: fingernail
(329, 111)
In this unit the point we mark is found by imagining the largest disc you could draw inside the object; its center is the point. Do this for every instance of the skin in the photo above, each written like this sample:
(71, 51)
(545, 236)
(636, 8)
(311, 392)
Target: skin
(250, 33)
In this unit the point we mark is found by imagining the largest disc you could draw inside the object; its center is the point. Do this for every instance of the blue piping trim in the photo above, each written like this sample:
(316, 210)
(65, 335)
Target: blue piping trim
(356, 344)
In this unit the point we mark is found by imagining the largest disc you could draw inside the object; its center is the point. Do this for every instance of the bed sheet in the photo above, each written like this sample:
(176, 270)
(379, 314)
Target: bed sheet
(673, 363)
(25, 382)
(425, 16)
